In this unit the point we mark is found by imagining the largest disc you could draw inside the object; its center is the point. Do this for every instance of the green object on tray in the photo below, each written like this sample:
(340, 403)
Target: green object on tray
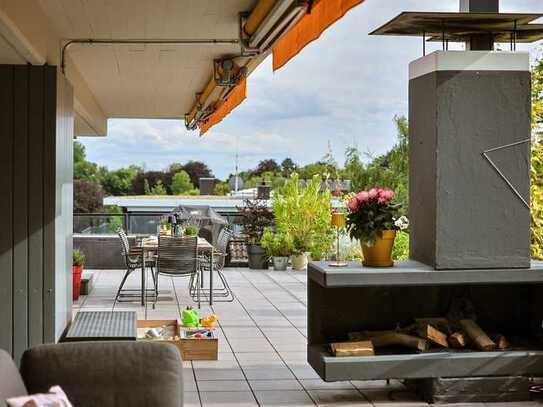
(191, 317)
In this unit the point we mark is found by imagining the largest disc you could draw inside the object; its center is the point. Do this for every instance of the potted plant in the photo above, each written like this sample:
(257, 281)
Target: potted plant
(78, 261)
(279, 247)
(303, 212)
(373, 219)
(192, 230)
(256, 216)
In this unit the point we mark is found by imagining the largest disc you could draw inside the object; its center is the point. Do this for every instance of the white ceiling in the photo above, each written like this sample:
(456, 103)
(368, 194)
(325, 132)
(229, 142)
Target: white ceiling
(152, 81)
(8, 55)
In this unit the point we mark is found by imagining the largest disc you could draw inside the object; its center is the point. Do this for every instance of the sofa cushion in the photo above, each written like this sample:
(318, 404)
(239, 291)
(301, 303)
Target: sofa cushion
(107, 374)
(11, 384)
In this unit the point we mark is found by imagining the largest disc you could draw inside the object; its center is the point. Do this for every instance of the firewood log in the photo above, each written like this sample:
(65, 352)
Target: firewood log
(432, 334)
(359, 348)
(382, 339)
(501, 341)
(477, 335)
(458, 340)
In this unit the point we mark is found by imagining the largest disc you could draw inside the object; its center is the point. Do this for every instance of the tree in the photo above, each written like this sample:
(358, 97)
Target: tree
(222, 188)
(390, 170)
(181, 183)
(157, 189)
(536, 188)
(84, 169)
(197, 170)
(88, 196)
(288, 166)
(267, 166)
(152, 177)
(120, 182)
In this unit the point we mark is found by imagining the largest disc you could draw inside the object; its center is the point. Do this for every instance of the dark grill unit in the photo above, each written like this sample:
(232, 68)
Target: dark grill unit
(469, 124)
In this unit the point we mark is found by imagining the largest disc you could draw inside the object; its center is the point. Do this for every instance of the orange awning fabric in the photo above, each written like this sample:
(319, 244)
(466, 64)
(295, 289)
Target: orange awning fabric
(237, 95)
(323, 14)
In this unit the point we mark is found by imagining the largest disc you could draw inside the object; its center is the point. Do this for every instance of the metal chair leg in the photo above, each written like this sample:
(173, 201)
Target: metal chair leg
(126, 274)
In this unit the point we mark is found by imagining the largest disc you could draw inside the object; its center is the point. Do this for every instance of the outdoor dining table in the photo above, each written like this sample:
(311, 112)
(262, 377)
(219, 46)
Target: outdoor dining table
(150, 245)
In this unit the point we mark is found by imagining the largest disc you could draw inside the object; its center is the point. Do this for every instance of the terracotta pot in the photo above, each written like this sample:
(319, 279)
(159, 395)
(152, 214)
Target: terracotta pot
(76, 281)
(380, 254)
(299, 261)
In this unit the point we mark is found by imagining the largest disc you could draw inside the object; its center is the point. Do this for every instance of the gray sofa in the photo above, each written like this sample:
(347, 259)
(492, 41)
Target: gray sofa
(105, 374)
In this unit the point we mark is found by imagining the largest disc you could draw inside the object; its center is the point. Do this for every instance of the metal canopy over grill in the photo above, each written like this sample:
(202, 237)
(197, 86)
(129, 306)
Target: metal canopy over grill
(460, 26)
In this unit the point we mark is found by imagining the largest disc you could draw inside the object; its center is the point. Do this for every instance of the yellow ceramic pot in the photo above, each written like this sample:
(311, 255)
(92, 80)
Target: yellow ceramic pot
(380, 254)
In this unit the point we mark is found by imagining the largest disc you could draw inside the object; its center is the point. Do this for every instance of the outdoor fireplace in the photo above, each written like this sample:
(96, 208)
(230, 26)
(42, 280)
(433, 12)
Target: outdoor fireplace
(469, 120)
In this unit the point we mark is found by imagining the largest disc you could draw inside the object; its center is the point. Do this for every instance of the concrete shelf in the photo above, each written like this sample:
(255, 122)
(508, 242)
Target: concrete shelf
(424, 365)
(413, 273)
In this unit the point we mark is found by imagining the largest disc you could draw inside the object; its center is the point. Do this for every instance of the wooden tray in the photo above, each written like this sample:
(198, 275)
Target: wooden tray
(190, 349)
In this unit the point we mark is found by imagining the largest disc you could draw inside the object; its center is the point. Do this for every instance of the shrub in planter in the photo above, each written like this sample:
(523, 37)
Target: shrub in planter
(279, 246)
(256, 216)
(303, 212)
(78, 262)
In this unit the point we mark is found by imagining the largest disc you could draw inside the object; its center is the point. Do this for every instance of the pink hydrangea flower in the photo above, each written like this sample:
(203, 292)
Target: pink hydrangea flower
(354, 204)
(373, 193)
(363, 196)
(387, 195)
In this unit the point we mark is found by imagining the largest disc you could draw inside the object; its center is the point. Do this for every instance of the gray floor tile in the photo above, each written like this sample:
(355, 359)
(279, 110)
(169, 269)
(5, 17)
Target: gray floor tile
(223, 385)
(277, 384)
(228, 399)
(283, 398)
(339, 398)
(191, 399)
(319, 384)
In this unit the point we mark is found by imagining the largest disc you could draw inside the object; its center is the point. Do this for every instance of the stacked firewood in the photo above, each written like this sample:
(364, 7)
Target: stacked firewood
(459, 330)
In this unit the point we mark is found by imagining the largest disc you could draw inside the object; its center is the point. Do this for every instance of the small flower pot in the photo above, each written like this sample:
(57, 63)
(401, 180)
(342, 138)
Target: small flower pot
(258, 258)
(299, 262)
(76, 281)
(280, 263)
(380, 254)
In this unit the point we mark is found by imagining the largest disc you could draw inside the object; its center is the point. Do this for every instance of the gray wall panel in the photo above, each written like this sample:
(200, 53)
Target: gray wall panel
(36, 127)
(20, 211)
(6, 208)
(49, 168)
(35, 206)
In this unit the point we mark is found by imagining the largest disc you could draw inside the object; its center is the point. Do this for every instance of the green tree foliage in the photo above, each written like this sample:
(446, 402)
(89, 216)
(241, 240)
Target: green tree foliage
(221, 188)
(197, 170)
(288, 167)
(157, 189)
(266, 166)
(88, 196)
(120, 182)
(537, 161)
(181, 183)
(83, 169)
(390, 170)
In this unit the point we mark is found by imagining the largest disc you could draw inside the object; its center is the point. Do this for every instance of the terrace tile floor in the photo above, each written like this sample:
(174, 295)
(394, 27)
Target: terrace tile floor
(262, 345)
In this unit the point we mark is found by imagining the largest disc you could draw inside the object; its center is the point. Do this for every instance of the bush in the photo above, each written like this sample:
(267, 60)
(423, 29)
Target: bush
(305, 214)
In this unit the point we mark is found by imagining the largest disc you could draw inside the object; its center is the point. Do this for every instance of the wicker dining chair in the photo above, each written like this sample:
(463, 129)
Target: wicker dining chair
(133, 257)
(178, 257)
(219, 260)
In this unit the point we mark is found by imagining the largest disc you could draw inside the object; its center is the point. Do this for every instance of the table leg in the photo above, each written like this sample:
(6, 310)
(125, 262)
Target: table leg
(143, 284)
(211, 280)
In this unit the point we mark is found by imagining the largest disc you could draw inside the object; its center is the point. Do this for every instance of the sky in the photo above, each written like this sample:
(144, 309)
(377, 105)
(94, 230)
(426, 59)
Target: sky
(342, 90)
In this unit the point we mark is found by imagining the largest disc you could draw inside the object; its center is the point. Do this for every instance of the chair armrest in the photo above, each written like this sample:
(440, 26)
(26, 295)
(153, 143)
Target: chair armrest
(107, 373)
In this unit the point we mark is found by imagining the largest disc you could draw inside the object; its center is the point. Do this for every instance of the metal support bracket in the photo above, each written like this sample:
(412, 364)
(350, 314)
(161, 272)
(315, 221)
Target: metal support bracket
(500, 173)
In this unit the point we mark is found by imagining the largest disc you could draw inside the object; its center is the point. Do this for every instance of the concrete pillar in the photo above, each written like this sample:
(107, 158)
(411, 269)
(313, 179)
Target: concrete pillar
(36, 129)
(463, 212)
